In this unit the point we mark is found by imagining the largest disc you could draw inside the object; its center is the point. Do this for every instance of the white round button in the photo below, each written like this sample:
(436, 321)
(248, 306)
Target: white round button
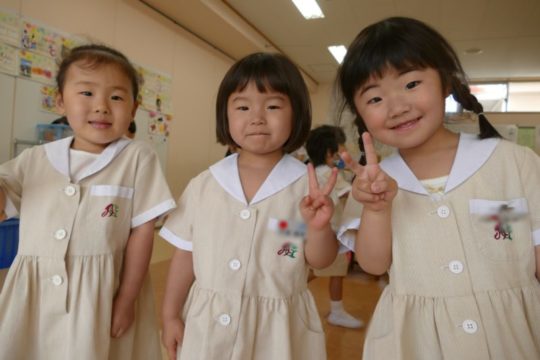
(470, 326)
(245, 214)
(456, 267)
(60, 234)
(57, 280)
(235, 264)
(70, 190)
(224, 319)
(443, 211)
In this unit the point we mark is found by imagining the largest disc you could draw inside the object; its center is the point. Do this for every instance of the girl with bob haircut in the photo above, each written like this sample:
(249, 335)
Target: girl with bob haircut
(78, 288)
(244, 245)
(459, 247)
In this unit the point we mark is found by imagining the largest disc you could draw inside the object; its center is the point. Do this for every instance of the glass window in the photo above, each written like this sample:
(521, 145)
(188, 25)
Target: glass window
(493, 97)
(524, 96)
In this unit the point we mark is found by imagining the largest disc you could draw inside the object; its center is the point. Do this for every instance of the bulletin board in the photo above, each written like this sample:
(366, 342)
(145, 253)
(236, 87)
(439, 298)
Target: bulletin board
(29, 54)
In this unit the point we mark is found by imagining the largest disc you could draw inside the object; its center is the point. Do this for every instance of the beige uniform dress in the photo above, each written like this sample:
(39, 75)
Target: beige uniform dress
(250, 298)
(341, 264)
(462, 279)
(56, 302)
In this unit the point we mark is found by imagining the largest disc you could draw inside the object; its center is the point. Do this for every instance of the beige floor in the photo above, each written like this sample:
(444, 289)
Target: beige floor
(360, 296)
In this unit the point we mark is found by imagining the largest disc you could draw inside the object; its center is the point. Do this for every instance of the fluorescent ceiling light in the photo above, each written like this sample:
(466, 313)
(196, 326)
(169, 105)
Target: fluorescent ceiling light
(309, 9)
(338, 52)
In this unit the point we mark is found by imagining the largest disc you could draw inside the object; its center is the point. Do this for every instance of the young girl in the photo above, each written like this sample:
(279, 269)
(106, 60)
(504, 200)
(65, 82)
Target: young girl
(87, 206)
(239, 275)
(324, 144)
(454, 218)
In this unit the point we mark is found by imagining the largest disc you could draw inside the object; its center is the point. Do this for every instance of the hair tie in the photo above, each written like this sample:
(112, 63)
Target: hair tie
(481, 113)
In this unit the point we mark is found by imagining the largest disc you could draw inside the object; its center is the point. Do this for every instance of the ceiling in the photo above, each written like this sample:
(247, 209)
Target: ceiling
(506, 31)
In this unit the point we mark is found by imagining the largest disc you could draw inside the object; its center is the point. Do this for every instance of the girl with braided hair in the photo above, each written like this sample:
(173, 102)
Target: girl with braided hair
(453, 218)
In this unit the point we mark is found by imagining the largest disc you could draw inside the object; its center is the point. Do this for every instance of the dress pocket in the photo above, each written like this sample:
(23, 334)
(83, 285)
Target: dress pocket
(306, 312)
(502, 229)
(112, 191)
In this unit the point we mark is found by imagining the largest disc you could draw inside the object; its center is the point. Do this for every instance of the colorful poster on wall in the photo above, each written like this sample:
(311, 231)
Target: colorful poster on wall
(9, 28)
(41, 40)
(8, 59)
(48, 98)
(159, 124)
(37, 67)
(155, 91)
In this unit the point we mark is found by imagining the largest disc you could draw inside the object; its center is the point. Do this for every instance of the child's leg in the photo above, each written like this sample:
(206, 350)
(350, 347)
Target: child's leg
(338, 316)
(335, 287)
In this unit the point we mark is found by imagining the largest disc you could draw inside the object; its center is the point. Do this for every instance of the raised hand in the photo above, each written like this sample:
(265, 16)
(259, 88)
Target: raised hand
(372, 186)
(317, 207)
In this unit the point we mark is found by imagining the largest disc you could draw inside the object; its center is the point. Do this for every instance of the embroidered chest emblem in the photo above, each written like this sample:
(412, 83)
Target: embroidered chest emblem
(110, 210)
(503, 229)
(289, 250)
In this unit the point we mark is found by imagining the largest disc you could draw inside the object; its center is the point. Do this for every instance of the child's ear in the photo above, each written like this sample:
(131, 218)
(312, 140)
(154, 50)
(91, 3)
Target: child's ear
(60, 104)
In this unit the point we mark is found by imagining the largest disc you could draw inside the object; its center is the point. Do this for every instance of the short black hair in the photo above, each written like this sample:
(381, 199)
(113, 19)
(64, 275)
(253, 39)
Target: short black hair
(269, 71)
(93, 56)
(132, 127)
(323, 139)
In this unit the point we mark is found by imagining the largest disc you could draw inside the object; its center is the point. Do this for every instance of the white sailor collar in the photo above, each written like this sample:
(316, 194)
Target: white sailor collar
(284, 173)
(58, 155)
(471, 154)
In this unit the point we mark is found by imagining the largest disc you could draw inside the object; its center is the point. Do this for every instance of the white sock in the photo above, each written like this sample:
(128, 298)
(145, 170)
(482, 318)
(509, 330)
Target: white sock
(336, 306)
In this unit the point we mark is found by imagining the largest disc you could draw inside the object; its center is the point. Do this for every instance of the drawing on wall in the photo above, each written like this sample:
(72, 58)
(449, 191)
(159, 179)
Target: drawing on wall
(155, 91)
(37, 67)
(41, 40)
(158, 124)
(48, 98)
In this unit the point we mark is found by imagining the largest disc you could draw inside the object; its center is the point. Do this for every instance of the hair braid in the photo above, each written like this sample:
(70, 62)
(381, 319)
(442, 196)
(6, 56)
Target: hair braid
(462, 94)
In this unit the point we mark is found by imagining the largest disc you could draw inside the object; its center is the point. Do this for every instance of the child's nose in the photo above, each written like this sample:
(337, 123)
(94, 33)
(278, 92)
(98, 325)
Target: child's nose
(398, 106)
(101, 106)
(258, 116)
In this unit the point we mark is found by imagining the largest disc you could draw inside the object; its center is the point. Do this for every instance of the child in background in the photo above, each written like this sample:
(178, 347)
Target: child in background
(324, 144)
(454, 218)
(78, 288)
(239, 275)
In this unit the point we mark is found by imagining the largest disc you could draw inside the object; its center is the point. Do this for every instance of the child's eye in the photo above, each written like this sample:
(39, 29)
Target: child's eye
(274, 107)
(374, 100)
(242, 108)
(86, 93)
(116, 97)
(413, 84)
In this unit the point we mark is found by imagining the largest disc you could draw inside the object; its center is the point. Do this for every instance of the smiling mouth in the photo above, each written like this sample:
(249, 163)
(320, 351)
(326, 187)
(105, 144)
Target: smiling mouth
(406, 125)
(100, 124)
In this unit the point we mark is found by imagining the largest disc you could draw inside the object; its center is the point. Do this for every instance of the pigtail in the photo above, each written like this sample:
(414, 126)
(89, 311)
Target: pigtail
(462, 94)
(361, 127)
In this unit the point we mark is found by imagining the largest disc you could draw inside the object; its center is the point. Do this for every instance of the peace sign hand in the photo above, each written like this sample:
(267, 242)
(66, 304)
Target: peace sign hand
(372, 186)
(317, 207)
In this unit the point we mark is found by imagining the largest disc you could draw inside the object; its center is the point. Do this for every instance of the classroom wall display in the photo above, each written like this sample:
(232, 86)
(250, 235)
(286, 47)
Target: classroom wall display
(155, 90)
(9, 59)
(29, 56)
(9, 28)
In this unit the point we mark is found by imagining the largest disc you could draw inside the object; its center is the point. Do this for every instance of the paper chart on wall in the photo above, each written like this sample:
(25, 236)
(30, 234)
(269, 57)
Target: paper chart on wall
(37, 67)
(41, 40)
(48, 98)
(9, 28)
(155, 91)
(8, 59)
